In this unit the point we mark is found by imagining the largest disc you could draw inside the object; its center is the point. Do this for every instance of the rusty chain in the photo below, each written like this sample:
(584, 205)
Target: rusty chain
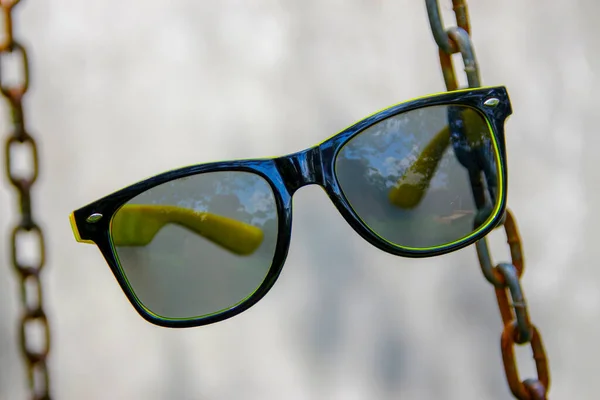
(19, 145)
(505, 277)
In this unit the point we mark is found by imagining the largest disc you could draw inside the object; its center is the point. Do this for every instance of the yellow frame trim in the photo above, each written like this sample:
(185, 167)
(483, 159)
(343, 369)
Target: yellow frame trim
(76, 231)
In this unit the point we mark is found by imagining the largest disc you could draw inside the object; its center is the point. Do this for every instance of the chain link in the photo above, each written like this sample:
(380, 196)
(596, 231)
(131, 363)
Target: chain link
(20, 143)
(505, 277)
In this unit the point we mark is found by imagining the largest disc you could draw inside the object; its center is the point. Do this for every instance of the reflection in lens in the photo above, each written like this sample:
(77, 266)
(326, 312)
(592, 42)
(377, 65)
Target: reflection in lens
(414, 178)
(197, 245)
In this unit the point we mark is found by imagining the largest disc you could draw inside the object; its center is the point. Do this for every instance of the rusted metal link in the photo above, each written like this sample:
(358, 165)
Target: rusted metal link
(443, 40)
(30, 318)
(516, 253)
(28, 269)
(31, 287)
(21, 87)
(453, 40)
(465, 47)
(525, 390)
(519, 304)
(12, 146)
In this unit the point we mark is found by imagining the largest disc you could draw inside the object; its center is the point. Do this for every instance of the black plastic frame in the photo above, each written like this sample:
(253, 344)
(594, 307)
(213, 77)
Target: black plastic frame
(287, 174)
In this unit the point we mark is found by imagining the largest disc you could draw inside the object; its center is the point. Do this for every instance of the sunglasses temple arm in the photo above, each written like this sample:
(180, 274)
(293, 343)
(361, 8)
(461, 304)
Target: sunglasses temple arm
(413, 184)
(138, 224)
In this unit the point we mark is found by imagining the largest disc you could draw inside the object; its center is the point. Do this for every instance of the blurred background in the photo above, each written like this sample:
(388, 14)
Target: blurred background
(122, 90)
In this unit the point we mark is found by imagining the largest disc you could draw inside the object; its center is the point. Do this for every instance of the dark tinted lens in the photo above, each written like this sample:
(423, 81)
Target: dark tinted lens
(424, 178)
(197, 245)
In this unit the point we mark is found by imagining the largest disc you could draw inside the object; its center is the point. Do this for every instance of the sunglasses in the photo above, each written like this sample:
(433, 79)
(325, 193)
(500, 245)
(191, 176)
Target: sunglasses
(200, 244)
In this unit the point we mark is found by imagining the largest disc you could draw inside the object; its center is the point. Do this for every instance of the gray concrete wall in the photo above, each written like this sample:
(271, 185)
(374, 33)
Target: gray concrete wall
(123, 90)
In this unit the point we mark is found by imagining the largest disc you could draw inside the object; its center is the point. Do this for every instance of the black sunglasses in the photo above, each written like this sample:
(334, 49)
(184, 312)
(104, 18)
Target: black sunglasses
(203, 243)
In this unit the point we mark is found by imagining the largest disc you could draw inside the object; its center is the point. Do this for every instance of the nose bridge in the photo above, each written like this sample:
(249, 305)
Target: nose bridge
(301, 169)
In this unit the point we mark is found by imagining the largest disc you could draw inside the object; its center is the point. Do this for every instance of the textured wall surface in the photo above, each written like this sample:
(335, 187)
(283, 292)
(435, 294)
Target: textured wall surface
(126, 89)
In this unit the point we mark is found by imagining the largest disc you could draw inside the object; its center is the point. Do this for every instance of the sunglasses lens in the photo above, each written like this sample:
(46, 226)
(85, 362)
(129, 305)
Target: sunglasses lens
(424, 178)
(198, 245)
